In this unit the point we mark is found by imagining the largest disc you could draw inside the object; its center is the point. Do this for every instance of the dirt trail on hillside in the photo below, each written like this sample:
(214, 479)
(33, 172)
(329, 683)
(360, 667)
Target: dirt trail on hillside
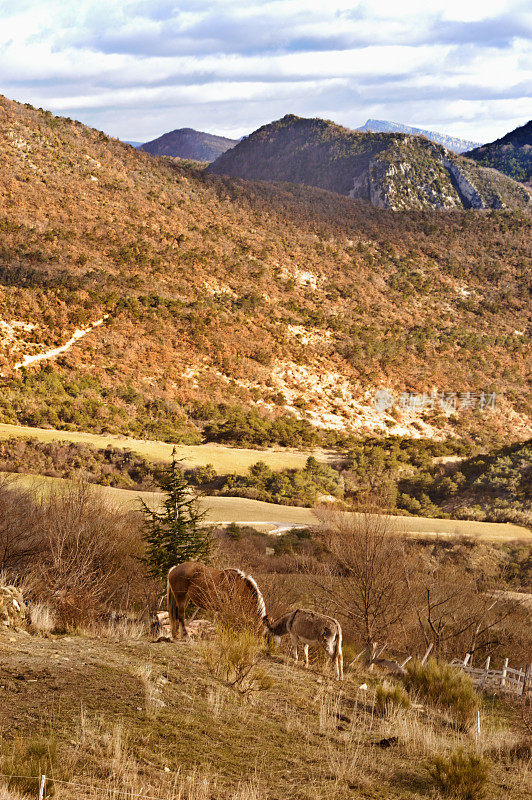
(78, 334)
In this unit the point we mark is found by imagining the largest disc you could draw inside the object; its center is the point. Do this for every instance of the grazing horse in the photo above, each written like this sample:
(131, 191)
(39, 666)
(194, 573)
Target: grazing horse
(210, 588)
(310, 627)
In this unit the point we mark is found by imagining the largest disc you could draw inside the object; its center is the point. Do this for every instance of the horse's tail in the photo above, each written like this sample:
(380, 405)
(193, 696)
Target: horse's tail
(171, 602)
(337, 653)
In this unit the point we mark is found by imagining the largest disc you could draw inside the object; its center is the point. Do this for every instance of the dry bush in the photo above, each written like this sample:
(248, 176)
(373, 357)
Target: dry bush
(460, 775)
(42, 618)
(389, 697)
(87, 564)
(446, 688)
(232, 657)
(20, 537)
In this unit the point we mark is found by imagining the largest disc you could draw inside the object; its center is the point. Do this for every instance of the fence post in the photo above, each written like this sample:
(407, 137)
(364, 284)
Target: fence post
(429, 648)
(504, 668)
(486, 671)
(41, 788)
(526, 679)
(466, 659)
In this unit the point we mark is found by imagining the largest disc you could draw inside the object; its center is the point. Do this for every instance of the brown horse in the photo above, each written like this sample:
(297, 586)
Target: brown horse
(209, 588)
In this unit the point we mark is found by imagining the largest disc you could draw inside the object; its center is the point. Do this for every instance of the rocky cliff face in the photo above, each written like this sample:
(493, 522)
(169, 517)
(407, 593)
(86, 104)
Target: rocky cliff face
(390, 170)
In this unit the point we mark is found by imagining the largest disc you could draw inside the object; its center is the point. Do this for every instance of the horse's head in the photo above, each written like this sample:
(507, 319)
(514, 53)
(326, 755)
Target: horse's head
(268, 630)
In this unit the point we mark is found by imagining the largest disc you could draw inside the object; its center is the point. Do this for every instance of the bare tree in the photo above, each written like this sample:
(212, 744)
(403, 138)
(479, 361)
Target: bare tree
(20, 539)
(455, 614)
(364, 579)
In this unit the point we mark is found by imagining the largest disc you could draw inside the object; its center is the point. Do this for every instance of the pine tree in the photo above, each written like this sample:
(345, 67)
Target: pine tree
(174, 535)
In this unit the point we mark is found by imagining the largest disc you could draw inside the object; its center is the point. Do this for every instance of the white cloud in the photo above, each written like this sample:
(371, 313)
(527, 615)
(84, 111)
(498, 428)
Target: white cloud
(139, 67)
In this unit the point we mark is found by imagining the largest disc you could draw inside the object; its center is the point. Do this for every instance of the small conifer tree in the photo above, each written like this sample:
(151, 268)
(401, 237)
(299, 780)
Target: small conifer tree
(174, 535)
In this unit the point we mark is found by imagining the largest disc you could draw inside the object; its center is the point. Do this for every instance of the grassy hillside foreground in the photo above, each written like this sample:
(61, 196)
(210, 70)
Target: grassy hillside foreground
(128, 718)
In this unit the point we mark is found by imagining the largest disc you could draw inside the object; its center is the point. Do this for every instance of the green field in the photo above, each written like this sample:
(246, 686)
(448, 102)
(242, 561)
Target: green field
(224, 459)
(269, 516)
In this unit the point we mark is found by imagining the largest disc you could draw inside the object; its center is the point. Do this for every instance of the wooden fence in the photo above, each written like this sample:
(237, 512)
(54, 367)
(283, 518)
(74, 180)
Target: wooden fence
(507, 679)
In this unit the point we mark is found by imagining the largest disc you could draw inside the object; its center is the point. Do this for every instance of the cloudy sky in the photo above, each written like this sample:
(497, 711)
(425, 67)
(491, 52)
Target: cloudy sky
(138, 68)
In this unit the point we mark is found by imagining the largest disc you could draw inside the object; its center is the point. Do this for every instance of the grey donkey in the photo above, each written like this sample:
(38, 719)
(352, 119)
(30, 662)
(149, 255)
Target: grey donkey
(310, 627)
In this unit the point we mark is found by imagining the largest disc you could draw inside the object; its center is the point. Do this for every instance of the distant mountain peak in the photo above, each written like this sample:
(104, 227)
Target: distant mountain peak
(189, 143)
(394, 170)
(450, 142)
(511, 154)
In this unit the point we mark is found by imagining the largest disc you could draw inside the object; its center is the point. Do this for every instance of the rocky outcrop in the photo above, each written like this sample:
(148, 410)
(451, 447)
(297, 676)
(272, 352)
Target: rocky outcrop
(469, 195)
(13, 610)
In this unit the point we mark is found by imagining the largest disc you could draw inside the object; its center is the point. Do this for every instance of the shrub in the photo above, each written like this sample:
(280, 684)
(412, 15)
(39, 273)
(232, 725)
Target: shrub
(447, 688)
(460, 775)
(233, 531)
(389, 697)
(232, 658)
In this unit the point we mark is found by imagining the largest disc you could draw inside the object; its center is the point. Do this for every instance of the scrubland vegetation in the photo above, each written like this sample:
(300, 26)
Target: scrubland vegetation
(233, 717)
(225, 296)
(404, 476)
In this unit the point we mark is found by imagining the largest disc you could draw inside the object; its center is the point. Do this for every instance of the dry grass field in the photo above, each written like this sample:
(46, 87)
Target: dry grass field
(223, 459)
(253, 512)
(109, 717)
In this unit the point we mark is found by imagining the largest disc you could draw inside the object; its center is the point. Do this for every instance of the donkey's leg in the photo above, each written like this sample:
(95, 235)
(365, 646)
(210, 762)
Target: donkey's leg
(293, 640)
(340, 663)
(336, 667)
(305, 652)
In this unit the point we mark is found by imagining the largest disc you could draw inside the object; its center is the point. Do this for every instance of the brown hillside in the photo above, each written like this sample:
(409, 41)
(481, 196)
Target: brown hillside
(221, 291)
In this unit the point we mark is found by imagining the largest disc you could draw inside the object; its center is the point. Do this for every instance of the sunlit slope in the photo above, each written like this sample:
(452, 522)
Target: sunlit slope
(223, 293)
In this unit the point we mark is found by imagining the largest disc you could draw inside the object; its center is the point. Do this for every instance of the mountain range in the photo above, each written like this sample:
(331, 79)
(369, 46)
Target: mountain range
(190, 144)
(450, 142)
(512, 154)
(390, 170)
(204, 298)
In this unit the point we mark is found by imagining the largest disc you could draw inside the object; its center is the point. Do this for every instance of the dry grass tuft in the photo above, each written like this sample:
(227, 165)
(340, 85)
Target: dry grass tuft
(446, 688)
(42, 618)
(389, 697)
(9, 794)
(460, 775)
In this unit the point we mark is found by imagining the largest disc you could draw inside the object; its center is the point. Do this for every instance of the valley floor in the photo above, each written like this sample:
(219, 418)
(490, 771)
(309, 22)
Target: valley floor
(223, 459)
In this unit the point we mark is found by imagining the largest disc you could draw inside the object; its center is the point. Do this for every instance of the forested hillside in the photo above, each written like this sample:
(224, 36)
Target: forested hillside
(512, 154)
(225, 295)
(188, 143)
